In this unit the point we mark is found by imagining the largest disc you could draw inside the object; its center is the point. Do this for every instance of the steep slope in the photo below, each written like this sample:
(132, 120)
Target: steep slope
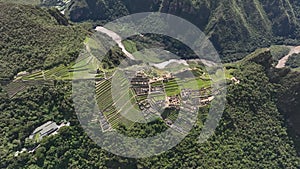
(251, 134)
(235, 27)
(34, 38)
(289, 104)
(287, 89)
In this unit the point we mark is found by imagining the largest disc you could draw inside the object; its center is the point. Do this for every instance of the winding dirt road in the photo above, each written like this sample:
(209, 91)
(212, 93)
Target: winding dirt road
(116, 38)
(282, 62)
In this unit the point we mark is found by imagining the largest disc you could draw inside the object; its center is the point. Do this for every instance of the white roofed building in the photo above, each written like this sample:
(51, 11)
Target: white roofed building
(44, 130)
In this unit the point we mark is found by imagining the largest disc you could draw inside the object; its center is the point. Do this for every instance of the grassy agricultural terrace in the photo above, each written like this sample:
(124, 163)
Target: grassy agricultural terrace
(120, 107)
(130, 103)
(89, 65)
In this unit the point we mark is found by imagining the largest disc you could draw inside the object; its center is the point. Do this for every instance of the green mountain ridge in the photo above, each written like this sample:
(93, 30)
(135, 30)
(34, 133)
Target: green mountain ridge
(235, 27)
(259, 127)
(251, 134)
(35, 38)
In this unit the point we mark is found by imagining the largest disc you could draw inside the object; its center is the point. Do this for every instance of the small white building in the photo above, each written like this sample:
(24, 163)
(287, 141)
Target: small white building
(24, 73)
(44, 130)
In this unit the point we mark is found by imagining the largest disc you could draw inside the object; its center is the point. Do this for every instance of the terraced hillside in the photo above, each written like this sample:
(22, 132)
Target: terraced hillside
(107, 106)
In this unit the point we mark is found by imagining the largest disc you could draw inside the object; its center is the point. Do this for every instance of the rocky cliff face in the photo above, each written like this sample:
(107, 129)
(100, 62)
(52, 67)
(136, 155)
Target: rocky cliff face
(234, 26)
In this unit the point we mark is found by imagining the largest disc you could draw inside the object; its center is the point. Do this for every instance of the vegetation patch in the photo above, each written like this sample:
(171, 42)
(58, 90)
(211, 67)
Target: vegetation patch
(172, 88)
(279, 52)
(34, 39)
(293, 61)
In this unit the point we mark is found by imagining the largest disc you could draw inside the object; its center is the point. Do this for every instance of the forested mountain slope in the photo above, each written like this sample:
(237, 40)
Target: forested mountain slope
(33, 38)
(235, 27)
(251, 134)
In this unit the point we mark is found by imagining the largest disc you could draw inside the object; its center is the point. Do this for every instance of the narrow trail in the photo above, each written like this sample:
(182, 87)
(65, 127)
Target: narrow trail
(282, 62)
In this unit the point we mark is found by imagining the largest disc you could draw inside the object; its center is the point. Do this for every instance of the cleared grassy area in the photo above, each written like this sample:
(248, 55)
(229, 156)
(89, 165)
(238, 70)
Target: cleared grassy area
(158, 97)
(228, 73)
(148, 56)
(220, 75)
(156, 84)
(35, 76)
(141, 98)
(81, 63)
(174, 67)
(86, 67)
(171, 88)
(133, 99)
(130, 46)
(37, 137)
(61, 72)
(195, 84)
(91, 42)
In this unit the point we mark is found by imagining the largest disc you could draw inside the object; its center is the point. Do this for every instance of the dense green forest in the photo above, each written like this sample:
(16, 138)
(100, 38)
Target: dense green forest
(294, 61)
(235, 27)
(279, 52)
(259, 127)
(33, 38)
(251, 134)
